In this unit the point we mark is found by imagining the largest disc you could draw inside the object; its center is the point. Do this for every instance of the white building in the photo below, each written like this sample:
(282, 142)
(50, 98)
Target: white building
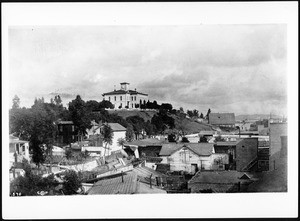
(119, 132)
(18, 150)
(125, 98)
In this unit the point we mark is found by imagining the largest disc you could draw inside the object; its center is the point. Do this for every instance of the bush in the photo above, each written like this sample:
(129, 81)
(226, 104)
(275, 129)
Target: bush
(72, 181)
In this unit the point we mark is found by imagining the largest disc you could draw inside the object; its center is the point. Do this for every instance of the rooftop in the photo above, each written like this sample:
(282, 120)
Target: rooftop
(201, 149)
(146, 142)
(116, 127)
(115, 185)
(221, 118)
(131, 92)
(65, 122)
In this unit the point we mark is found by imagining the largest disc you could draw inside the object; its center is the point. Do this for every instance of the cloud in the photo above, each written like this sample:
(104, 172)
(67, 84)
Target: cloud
(227, 67)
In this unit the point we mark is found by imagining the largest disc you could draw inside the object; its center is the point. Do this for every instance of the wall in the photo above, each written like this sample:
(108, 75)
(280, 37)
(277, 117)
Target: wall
(276, 130)
(182, 160)
(246, 151)
(117, 135)
(132, 99)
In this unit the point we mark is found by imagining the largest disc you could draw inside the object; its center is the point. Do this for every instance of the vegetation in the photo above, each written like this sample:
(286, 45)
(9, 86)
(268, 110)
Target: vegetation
(72, 182)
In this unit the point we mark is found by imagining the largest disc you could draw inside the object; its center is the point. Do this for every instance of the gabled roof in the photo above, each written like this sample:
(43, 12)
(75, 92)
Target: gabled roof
(117, 92)
(116, 127)
(201, 149)
(221, 118)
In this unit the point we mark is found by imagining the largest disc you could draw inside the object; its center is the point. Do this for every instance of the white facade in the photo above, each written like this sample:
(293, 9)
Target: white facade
(125, 98)
(186, 160)
(18, 150)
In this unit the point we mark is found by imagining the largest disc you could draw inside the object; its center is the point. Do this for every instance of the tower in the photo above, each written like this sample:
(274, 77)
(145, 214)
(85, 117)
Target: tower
(124, 86)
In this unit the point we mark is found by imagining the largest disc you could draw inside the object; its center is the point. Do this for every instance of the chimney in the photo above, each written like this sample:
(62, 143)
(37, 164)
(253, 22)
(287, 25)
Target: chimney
(114, 87)
(135, 89)
(122, 177)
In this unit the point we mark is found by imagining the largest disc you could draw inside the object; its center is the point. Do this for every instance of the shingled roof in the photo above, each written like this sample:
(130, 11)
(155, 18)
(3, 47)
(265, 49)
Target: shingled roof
(202, 149)
(221, 118)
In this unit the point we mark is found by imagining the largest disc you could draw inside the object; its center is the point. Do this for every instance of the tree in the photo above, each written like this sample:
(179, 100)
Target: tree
(138, 124)
(190, 113)
(80, 115)
(107, 136)
(30, 184)
(203, 139)
(196, 113)
(219, 138)
(72, 182)
(121, 142)
(172, 137)
(207, 115)
(106, 104)
(68, 153)
(185, 140)
(201, 116)
(16, 102)
(129, 133)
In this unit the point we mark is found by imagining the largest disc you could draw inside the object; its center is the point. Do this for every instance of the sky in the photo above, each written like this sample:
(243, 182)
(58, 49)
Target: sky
(227, 68)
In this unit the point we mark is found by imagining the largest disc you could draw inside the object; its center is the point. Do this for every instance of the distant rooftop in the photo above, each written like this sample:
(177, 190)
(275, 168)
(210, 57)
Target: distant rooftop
(116, 127)
(221, 118)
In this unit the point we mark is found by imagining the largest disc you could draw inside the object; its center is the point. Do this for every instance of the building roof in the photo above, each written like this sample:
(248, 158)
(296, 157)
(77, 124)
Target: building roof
(218, 181)
(116, 127)
(146, 142)
(115, 185)
(131, 92)
(227, 143)
(65, 122)
(202, 149)
(214, 177)
(221, 118)
(207, 132)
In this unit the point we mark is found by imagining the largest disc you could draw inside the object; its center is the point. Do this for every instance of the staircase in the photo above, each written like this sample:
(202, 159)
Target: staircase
(250, 165)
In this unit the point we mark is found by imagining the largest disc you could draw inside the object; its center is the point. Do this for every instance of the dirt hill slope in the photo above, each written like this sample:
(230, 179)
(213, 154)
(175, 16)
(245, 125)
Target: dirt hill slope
(189, 126)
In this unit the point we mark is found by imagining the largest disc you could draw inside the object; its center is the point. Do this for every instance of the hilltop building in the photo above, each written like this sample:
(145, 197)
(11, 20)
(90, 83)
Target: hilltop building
(125, 98)
(222, 119)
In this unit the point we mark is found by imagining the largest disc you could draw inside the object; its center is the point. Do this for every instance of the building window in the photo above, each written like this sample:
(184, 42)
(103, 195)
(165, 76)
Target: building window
(108, 98)
(23, 148)
(115, 98)
(73, 128)
(60, 128)
(120, 98)
(135, 98)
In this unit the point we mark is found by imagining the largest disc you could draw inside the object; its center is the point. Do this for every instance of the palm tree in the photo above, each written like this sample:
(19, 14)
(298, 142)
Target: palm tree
(121, 142)
(107, 136)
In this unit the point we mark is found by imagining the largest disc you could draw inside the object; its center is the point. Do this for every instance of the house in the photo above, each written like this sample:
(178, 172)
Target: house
(147, 149)
(94, 130)
(18, 150)
(189, 157)
(220, 182)
(125, 98)
(242, 154)
(222, 119)
(66, 132)
(119, 132)
(58, 151)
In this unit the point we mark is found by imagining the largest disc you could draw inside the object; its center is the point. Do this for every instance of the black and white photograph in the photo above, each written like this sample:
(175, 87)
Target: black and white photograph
(181, 114)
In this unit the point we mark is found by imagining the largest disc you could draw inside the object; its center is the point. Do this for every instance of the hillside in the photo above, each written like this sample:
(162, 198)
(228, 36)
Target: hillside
(187, 125)
(146, 115)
